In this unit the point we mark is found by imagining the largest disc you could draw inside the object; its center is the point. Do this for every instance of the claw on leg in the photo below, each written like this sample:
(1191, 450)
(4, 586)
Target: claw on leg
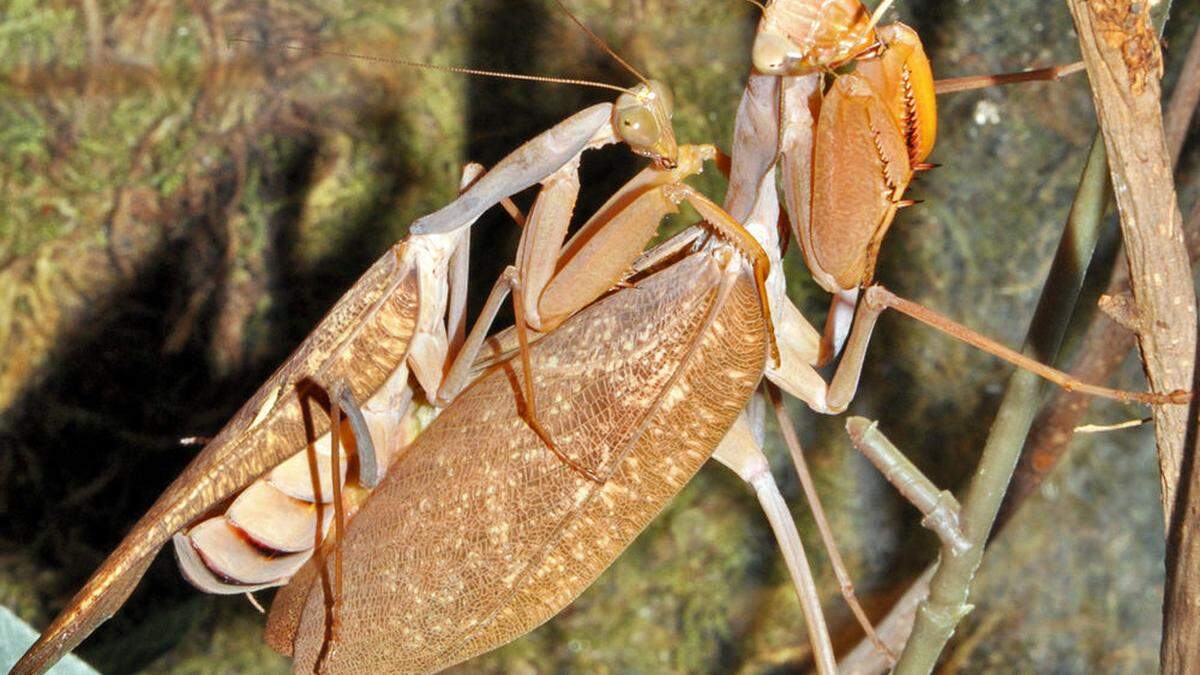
(369, 470)
(531, 416)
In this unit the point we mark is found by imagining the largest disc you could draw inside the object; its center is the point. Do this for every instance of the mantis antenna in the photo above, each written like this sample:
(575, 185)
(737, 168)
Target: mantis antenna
(476, 71)
(878, 14)
(430, 66)
(601, 43)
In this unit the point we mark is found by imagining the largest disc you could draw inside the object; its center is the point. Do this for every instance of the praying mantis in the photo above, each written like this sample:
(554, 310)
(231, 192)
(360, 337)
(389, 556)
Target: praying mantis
(390, 321)
(543, 394)
(468, 617)
(468, 567)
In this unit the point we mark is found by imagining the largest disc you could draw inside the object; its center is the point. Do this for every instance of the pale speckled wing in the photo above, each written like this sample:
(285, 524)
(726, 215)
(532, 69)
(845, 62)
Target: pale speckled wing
(361, 340)
(479, 533)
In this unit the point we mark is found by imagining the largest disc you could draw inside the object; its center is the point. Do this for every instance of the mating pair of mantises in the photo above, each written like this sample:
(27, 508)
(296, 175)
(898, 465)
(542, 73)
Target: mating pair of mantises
(624, 373)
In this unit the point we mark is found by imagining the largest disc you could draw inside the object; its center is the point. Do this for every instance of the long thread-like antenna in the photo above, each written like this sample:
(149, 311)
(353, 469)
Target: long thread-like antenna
(761, 7)
(601, 43)
(429, 66)
(875, 18)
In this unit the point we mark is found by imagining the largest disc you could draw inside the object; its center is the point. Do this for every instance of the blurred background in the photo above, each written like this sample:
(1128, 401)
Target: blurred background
(179, 211)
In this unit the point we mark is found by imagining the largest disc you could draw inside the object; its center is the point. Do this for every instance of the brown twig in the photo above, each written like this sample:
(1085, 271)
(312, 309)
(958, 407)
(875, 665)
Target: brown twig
(1121, 50)
(1102, 350)
(1106, 344)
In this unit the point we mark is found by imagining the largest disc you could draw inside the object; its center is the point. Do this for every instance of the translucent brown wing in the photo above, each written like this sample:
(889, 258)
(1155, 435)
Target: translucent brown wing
(479, 533)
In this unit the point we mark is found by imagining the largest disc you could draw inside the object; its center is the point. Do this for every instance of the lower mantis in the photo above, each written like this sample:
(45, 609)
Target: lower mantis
(274, 424)
(390, 320)
(440, 571)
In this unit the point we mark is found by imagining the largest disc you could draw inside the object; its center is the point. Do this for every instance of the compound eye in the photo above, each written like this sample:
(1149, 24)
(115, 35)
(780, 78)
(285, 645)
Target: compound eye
(770, 54)
(638, 128)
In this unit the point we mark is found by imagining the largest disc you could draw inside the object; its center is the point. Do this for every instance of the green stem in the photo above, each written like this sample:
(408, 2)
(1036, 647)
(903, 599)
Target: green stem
(939, 507)
(947, 604)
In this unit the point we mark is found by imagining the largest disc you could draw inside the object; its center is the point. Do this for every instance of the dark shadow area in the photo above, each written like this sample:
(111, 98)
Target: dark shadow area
(85, 453)
(502, 114)
(930, 18)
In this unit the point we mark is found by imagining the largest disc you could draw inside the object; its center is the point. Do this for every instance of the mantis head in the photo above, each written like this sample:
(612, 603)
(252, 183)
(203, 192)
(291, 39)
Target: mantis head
(642, 119)
(798, 37)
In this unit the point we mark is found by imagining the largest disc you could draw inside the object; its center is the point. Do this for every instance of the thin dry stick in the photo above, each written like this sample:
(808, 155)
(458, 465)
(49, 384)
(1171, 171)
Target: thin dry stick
(971, 82)
(939, 507)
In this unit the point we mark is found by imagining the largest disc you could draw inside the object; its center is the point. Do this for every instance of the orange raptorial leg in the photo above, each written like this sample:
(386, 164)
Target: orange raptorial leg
(732, 231)
(531, 416)
(845, 585)
(881, 298)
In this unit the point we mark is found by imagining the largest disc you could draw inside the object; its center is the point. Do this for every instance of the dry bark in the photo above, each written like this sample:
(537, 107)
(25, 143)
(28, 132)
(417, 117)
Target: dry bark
(1105, 344)
(1121, 50)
